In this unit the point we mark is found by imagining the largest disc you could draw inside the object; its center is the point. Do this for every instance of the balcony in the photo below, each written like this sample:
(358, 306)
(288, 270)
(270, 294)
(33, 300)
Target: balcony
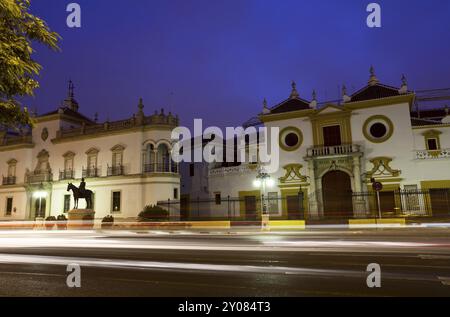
(334, 150)
(91, 172)
(243, 169)
(115, 170)
(9, 180)
(429, 155)
(160, 168)
(66, 174)
(38, 177)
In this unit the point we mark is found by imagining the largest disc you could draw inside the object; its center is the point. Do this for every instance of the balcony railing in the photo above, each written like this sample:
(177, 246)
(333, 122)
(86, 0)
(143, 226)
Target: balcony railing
(91, 172)
(160, 168)
(38, 177)
(436, 154)
(9, 180)
(115, 170)
(66, 174)
(334, 150)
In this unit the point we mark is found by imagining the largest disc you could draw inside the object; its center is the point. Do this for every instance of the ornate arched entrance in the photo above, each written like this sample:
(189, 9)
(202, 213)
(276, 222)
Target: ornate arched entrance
(337, 194)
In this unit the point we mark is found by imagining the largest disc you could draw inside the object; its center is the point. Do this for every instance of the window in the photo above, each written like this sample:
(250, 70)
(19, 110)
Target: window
(66, 203)
(12, 168)
(191, 169)
(432, 144)
(332, 135)
(218, 198)
(68, 163)
(116, 201)
(9, 206)
(378, 129)
(43, 165)
(92, 161)
(290, 138)
(175, 193)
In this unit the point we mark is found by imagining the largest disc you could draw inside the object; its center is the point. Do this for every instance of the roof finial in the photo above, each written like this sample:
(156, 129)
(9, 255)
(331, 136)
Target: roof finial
(294, 92)
(70, 101)
(71, 90)
(373, 80)
(404, 88)
(345, 97)
(313, 103)
(266, 109)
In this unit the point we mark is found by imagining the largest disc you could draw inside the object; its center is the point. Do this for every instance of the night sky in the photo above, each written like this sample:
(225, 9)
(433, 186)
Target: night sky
(218, 59)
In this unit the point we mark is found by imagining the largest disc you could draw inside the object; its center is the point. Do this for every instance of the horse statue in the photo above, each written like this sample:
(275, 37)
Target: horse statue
(77, 194)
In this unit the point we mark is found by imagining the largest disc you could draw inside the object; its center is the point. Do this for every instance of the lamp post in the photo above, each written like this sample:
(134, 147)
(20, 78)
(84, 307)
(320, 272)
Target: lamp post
(263, 180)
(39, 194)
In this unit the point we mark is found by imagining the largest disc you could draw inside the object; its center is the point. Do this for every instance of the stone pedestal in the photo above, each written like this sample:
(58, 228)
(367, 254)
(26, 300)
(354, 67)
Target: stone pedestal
(81, 219)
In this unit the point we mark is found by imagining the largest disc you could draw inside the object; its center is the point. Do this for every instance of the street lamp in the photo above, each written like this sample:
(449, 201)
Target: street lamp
(39, 194)
(263, 180)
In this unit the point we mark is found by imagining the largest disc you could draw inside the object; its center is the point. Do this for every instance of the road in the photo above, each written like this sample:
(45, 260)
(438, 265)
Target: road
(322, 262)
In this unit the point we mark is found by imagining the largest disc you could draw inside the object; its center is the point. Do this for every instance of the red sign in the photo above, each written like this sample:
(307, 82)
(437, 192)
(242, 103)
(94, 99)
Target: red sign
(377, 186)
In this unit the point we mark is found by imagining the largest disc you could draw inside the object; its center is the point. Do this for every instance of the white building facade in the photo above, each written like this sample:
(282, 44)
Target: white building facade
(330, 155)
(127, 164)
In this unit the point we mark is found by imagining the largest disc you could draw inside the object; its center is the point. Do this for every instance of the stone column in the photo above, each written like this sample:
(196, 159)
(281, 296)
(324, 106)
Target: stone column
(313, 208)
(358, 202)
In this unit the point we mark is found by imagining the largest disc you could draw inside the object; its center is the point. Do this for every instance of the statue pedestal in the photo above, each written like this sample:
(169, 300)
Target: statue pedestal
(81, 219)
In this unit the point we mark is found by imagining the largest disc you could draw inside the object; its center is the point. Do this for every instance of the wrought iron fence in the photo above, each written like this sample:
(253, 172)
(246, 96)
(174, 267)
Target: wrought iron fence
(399, 203)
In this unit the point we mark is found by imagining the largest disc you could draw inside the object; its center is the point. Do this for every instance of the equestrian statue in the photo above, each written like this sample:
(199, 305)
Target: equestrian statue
(81, 192)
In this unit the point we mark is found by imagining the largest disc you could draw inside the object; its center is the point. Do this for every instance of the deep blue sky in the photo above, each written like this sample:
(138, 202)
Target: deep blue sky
(220, 58)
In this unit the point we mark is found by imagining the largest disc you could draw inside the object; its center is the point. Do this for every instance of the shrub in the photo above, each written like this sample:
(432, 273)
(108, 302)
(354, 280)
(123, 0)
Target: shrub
(50, 218)
(153, 213)
(61, 218)
(108, 219)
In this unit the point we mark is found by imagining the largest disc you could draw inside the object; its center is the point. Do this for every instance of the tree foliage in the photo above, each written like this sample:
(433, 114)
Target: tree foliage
(19, 29)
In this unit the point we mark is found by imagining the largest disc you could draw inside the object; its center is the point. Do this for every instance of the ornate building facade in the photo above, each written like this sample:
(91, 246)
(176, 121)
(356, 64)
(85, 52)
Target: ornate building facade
(330, 154)
(127, 163)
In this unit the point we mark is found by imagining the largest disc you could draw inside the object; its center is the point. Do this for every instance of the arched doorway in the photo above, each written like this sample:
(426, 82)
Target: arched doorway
(337, 194)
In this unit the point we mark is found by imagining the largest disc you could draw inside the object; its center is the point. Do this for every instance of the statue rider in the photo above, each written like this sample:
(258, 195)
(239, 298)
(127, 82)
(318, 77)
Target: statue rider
(82, 188)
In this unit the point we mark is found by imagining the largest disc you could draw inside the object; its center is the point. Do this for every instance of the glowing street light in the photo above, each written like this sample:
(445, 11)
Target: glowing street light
(263, 180)
(39, 194)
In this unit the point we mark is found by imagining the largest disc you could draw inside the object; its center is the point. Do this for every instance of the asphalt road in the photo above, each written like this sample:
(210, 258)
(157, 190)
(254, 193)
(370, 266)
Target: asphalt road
(414, 262)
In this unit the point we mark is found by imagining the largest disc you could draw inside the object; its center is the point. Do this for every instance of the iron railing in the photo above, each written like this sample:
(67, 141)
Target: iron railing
(160, 168)
(9, 180)
(398, 203)
(66, 174)
(91, 172)
(38, 177)
(115, 170)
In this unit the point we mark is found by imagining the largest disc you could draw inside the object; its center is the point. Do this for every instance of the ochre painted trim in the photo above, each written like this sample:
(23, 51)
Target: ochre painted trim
(435, 184)
(381, 118)
(285, 132)
(292, 192)
(388, 101)
(242, 195)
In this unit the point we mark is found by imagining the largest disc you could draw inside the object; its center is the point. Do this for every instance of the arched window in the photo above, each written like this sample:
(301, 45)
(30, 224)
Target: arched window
(163, 158)
(149, 158)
